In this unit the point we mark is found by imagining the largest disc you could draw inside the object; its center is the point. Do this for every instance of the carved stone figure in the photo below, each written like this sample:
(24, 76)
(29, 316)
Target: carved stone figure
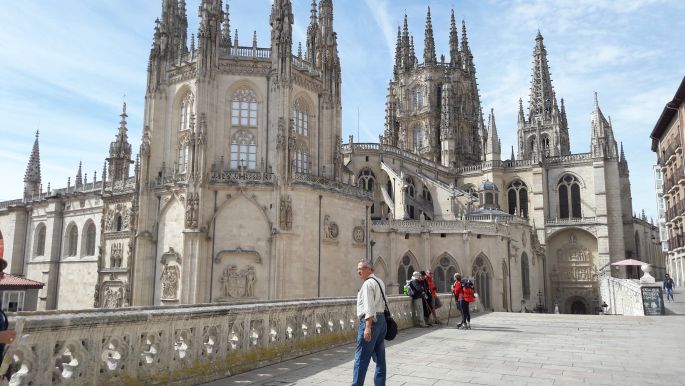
(286, 213)
(192, 210)
(238, 284)
(112, 298)
(169, 279)
(116, 255)
(330, 229)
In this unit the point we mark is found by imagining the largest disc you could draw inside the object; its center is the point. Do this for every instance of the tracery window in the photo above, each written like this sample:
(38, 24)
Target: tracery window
(72, 241)
(243, 151)
(186, 111)
(481, 279)
(409, 187)
(443, 273)
(545, 145)
(183, 157)
(417, 98)
(417, 137)
(525, 276)
(367, 179)
(301, 118)
(569, 197)
(244, 108)
(517, 195)
(404, 272)
(302, 160)
(532, 145)
(90, 240)
(39, 242)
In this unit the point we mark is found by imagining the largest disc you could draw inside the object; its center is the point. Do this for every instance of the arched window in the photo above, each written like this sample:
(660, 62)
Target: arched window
(489, 199)
(302, 160)
(545, 144)
(417, 137)
(525, 276)
(569, 204)
(39, 241)
(186, 111)
(90, 240)
(243, 151)
(183, 155)
(366, 179)
(301, 118)
(426, 194)
(482, 277)
(517, 195)
(404, 272)
(244, 108)
(72, 240)
(532, 145)
(417, 98)
(443, 273)
(409, 187)
(119, 223)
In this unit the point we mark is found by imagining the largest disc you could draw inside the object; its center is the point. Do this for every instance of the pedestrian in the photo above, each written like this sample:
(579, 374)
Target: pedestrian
(434, 299)
(469, 296)
(458, 293)
(417, 292)
(427, 298)
(372, 327)
(668, 286)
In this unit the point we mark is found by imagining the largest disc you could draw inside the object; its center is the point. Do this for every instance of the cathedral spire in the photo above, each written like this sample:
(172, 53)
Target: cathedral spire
(492, 144)
(522, 117)
(79, 177)
(398, 53)
(429, 58)
(454, 42)
(467, 57)
(406, 53)
(282, 38)
(412, 53)
(541, 91)
(32, 178)
(313, 34)
(226, 29)
(603, 143)
(209, 36)
(120, 151)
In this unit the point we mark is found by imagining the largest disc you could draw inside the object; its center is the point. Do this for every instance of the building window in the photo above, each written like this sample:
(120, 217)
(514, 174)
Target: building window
(443, 273)
(13, 301)
(183, 155)
(569, 204)
(39, 242)
(119, 223)
(72, 241)
(301, 118)
(186, 111)
(244, 108)
(417, 137)
(301, 160)
(366, 180)
(90, 240)
(417, 98)
(532, 145)
(545, 145)
(409, 187)
(404, 272)
(525, 276)
(243, 151)
(517, 194)
(482, 278)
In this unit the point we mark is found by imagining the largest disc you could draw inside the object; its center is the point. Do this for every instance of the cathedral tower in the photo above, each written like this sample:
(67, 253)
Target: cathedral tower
(32, 181)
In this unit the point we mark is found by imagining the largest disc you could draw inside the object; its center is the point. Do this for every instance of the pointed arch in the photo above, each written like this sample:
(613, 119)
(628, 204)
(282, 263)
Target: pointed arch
(39, 240)
(243, 150)
(380, 269)
(406, 266)
(444, 266)
(71, 240)
(230, 199)
(483, 276)
(184, 108)
(243, 103)
(88, 239)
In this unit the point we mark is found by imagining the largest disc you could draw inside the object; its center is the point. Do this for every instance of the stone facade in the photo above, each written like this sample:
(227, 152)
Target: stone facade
(244, 191)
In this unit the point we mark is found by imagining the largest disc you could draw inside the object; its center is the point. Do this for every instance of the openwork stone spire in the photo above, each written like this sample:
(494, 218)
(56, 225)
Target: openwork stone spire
(32, 176)
(454, 42)
(429, 41)
(603, 143)
(542, 98)
(120, 151)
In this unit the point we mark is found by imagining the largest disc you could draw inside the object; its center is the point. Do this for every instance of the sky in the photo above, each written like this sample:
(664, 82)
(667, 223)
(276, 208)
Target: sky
(67, 66)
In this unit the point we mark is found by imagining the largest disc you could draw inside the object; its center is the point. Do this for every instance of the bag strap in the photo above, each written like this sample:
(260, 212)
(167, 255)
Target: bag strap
(382, 294)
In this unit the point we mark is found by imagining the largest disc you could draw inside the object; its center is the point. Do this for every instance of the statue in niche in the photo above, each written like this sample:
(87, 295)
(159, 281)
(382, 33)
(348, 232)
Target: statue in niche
(330, 229)
(170, 277)
(116, 255)
(112, 298)
(192, 210)
(125, 218)
(286, 213)
(238, 284)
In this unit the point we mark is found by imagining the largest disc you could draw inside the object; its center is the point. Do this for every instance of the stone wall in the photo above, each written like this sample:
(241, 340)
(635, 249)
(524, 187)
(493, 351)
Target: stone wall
(184, 344)
(623, 296)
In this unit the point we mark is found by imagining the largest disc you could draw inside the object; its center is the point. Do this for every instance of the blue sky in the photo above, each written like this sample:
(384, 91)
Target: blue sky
(66, 66)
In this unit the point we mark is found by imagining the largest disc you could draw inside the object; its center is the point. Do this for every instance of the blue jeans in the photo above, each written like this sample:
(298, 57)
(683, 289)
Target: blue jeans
(375, 348)
(669, 294)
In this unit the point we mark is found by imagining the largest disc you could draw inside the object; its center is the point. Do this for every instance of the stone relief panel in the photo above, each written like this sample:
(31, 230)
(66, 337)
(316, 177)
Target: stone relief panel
(192, 210)
(358, 234)
(238, 284)
(286, 213)
(170, 278)
(114, 294)
(330, 229)
(116, 255)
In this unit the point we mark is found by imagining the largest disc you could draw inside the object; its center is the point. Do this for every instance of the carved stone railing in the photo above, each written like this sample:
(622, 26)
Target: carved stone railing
(183, 344)
(622, 296)
(571, 221)
(418, 226)
(7, 204)
(332, 185)
(250, 52)
(241, 177)
(571, 158)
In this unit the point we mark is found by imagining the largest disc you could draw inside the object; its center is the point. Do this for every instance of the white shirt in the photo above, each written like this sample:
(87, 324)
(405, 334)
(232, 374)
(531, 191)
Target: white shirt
(369, 298)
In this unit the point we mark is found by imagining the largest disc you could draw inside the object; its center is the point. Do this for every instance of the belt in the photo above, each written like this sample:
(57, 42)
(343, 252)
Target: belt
(361, 318)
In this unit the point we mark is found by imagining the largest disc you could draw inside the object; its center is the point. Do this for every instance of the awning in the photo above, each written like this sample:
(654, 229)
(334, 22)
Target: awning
(629, 262)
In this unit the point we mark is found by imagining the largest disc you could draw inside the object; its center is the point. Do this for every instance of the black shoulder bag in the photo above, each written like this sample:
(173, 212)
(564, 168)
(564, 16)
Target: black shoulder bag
(391, 331)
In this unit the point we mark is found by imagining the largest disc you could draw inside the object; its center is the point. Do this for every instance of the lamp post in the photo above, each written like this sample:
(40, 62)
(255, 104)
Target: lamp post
(604, 307)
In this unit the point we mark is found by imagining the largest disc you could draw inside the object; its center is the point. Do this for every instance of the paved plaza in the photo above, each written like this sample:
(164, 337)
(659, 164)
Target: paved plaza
(510, 348)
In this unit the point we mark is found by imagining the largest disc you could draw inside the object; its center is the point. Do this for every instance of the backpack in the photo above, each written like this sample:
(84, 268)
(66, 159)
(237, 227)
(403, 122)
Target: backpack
(467, 283)
(408, 290)
(469, 294)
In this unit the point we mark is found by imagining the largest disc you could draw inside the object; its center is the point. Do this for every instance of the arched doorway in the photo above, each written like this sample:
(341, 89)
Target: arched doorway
(578, 307)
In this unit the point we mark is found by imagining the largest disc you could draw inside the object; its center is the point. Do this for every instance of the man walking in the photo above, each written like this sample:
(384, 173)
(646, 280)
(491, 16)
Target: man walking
(372, 327)
(668, 286)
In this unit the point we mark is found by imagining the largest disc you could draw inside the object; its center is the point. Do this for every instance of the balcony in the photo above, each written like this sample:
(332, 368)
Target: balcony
(571, 221)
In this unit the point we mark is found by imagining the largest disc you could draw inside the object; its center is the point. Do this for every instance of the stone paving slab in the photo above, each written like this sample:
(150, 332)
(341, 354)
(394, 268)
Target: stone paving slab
(510, 349)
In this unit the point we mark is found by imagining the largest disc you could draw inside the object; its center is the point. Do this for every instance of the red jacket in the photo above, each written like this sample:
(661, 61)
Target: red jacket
(457, 291)
(431, 286)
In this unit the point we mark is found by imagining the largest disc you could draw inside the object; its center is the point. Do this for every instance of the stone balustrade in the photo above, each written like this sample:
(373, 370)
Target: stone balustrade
(183, 344)
(623, 296)
(479, 224)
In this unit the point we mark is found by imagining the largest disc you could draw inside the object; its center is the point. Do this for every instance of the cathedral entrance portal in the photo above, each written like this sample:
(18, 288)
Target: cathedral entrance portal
(578, 307)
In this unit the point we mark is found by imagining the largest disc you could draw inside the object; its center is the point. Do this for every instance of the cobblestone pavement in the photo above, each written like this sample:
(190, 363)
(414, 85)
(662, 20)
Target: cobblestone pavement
(511, 349)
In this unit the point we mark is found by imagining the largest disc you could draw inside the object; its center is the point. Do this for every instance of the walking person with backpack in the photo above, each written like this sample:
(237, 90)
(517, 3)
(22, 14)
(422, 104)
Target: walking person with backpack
(668, 286)
(458, 294)
(434, 299)
(469, 296)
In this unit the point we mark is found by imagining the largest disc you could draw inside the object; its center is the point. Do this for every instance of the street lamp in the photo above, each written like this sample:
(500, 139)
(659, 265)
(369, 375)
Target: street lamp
(604, 307)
